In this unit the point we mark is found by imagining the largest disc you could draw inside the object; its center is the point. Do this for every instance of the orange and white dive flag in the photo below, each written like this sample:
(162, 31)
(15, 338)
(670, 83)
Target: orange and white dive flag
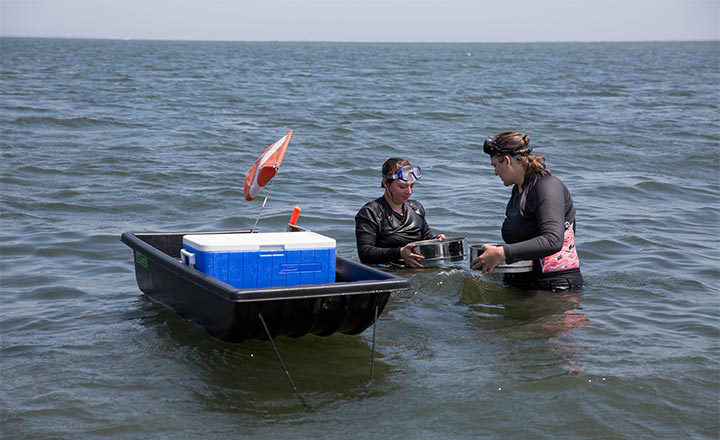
(265, 167)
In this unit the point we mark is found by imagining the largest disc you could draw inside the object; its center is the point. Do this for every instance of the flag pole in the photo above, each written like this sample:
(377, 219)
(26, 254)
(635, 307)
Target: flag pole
(267, 194)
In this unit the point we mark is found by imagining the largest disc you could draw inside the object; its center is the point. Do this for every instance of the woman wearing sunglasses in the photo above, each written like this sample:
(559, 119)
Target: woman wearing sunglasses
(539, 219)
(386, 227)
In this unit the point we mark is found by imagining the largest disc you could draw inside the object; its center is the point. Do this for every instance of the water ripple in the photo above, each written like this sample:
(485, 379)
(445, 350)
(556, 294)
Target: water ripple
(101, 137)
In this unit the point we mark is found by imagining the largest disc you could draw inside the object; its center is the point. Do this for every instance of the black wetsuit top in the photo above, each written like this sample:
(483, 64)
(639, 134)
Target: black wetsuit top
(534, 227)
(380, 232)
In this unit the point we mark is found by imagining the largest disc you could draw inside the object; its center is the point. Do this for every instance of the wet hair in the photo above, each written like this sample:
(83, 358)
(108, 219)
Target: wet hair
(516, 144)
(392, 166)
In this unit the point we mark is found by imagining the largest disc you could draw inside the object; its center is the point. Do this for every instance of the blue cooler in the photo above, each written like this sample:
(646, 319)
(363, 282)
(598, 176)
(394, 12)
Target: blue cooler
(256, 260)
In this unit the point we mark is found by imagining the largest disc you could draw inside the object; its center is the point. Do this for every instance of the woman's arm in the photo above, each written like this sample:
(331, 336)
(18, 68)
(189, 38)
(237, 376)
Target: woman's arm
(550, 220)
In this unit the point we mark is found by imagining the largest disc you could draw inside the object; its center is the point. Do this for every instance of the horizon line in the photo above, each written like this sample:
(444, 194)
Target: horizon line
(190, 40)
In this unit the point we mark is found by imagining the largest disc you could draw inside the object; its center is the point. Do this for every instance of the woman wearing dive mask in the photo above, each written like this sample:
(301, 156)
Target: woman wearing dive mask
(386, 227)
(539, 219)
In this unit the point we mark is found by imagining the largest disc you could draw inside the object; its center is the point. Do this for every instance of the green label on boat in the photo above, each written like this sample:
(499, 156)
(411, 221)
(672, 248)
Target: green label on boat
(141, 260)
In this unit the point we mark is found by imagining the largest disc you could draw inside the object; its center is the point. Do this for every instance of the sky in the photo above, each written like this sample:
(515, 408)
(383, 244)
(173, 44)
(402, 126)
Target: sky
(365, 20)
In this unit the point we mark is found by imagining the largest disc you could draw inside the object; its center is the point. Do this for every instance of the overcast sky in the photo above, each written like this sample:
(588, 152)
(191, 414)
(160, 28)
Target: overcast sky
(365, 20)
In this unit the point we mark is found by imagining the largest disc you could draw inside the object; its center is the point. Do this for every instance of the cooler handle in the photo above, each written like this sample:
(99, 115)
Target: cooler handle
(187, 257)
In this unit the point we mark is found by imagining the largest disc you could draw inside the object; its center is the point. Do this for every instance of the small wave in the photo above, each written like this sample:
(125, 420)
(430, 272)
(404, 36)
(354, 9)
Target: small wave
(79, 122)
(64, 194)
(341, 130)
(14, 180)
(26, 109)
(443, 116)
(600, 94)
(35, 169)
(54, 293)
(363, 115)
(477, 99)
(418, 73)
(655, 187)
(120, 80)
(682, 93)
(606, 247)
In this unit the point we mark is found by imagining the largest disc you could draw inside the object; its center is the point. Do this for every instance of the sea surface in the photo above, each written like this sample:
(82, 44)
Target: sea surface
(99, 137)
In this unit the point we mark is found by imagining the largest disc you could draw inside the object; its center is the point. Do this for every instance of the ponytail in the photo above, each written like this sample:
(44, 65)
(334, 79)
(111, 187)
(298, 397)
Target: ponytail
(534, 166)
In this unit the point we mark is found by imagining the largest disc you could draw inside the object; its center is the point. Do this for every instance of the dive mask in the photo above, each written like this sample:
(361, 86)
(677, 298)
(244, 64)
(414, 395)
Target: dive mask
(491, 148)
(408, 173)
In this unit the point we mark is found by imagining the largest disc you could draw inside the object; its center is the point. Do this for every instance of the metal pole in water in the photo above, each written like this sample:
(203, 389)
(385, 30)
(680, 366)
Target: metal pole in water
(372, 353)
(287, 373)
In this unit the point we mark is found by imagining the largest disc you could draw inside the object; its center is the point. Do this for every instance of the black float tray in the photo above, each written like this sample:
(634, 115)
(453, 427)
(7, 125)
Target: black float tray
(349, 305)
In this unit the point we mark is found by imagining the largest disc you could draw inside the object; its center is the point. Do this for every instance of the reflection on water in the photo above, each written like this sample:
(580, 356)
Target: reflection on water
(536, 323)
(527, 334)
(226, 376)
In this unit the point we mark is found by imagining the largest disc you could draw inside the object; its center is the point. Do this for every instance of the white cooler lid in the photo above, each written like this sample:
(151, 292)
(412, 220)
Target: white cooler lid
(258, 241)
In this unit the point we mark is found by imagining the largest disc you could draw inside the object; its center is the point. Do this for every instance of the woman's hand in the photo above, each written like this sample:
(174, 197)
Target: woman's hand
(409, 257)
(441, 237)
(490, 258)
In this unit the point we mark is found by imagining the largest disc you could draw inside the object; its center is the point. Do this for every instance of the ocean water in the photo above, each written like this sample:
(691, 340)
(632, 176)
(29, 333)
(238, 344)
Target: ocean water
(101, 137)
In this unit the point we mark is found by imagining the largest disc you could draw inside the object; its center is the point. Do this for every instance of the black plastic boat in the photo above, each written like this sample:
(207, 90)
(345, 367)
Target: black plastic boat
(349, 305)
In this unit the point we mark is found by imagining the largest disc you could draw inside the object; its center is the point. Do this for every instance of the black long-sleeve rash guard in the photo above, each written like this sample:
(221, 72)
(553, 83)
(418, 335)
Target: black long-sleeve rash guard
(380, 232)
(535, 219)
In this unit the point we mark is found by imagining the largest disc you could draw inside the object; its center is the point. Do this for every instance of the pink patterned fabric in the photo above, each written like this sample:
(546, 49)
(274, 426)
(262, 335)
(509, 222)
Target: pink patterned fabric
(566, 258)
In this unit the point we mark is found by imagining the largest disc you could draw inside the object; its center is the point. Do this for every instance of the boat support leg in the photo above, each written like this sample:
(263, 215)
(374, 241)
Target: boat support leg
(372, 353)
(287, 373)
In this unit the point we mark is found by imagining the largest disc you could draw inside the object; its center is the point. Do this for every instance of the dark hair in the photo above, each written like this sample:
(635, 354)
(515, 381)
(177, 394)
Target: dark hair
(516, 144)
(392, 166)
(508, 143)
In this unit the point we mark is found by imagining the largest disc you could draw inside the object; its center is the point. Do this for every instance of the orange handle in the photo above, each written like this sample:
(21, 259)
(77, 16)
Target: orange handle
(295, 215)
